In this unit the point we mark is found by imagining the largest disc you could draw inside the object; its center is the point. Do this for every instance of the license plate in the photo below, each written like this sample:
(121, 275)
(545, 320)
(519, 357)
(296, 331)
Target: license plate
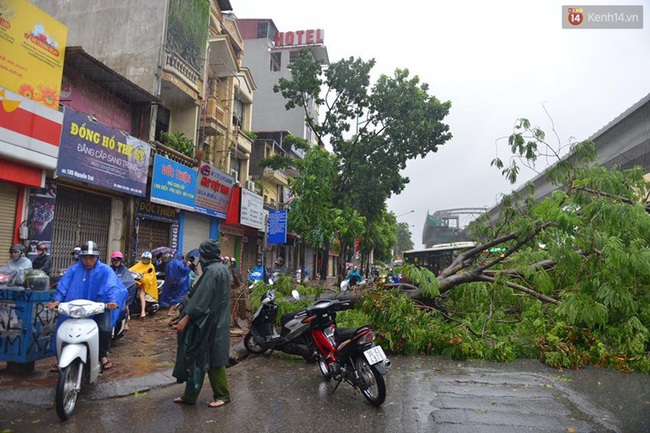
(375, 355)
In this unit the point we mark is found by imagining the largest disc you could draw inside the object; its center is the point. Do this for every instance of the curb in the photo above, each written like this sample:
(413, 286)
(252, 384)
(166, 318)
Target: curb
(106, 390)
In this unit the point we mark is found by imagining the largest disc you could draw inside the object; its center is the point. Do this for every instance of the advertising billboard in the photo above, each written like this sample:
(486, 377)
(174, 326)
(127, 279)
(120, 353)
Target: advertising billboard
(32, 51)
(95, 153)
(213, 191)
(173, 184)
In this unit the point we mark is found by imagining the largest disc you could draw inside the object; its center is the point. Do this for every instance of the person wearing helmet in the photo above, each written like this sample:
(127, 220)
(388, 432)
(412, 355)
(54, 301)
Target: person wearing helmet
(93, 280)
(204, 331)
(354, 276)
(75, 255)
(120, 269)
(148, 287)
(42, 261)
(258, 273)
(18, 265)
(280, 267)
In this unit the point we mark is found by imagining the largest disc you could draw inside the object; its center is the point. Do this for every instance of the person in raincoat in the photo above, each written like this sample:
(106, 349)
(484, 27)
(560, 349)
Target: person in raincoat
(204, 331)
(177, 283)
(18, 265)
(148, 287)
(93, 280)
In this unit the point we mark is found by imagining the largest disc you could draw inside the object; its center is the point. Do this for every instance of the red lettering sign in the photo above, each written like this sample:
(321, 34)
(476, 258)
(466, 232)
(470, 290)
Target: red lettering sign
(300, 37)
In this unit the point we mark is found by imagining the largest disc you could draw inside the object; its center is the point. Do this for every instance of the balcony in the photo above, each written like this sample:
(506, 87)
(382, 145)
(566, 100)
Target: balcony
(244, 143)
(183, 76)
(213, 120)
(277, 177)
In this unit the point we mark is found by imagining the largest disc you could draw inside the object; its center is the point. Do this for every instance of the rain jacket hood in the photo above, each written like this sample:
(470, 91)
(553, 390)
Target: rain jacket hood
(209, 252)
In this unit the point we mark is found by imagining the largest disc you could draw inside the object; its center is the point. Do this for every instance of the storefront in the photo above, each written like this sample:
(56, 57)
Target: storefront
(8, 198)
(241, 235)
(196, 229)
(156, 226)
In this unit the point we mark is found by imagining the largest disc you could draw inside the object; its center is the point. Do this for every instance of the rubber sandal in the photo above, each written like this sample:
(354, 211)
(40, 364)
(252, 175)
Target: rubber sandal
(179, 400)
(218, 403)
(107, 365)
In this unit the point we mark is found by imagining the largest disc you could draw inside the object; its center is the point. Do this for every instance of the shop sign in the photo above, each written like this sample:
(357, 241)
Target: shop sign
(155, 211)
(213, 188)
(277, 231)
(252, 210)
(107, 157)
(173, 184)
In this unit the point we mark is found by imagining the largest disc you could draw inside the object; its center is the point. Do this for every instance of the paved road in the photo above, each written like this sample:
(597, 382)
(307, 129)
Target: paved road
(425, 394)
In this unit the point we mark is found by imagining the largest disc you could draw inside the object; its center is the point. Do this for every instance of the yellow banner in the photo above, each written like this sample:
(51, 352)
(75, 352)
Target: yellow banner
(32, 51)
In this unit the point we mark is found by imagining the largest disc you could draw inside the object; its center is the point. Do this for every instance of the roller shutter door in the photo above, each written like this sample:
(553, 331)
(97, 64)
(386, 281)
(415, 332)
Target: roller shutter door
(196, 229)
(8, 194)
(152, 234)
(79, 217)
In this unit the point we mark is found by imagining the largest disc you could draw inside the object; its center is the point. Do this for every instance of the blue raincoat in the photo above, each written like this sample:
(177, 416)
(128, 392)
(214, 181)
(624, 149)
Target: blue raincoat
(98, 284)
(177, 282)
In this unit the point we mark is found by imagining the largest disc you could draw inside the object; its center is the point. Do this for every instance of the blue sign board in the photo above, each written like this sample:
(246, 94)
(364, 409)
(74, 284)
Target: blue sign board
(173, 184)
(103, 156)
(277, 227)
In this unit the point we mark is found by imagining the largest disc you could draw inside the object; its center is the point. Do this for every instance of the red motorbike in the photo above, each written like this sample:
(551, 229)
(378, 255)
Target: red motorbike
(348, 354)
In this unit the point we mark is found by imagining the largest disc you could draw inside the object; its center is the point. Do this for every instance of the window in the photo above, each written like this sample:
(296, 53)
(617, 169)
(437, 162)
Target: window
(293, 55)
(238, 113)
(162, 122)
(276, 61)
(262, 30)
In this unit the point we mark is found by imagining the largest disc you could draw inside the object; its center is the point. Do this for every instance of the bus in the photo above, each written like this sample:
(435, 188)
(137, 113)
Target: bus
(438, 256)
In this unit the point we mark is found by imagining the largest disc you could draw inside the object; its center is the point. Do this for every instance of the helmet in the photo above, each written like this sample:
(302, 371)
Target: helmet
(89, 249)
(117, 255)
(259, 262)
(76, 251)
(147, 255)
(37, 279)
(42, 246)
(17, 248)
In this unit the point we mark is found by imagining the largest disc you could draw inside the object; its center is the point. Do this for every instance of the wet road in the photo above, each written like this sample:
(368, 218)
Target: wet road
(425, 394)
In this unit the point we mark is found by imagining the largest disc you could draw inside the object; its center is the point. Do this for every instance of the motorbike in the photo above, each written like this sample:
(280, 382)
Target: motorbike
(348, 354)
(77, 347)
(294, 335)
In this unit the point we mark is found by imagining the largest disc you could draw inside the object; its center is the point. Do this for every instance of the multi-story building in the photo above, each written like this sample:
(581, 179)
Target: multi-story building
(269, 55)
(188, 56)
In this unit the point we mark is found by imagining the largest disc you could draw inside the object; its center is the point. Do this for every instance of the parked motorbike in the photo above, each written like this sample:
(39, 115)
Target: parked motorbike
(294, 335)
(77, 347)
(348, 354)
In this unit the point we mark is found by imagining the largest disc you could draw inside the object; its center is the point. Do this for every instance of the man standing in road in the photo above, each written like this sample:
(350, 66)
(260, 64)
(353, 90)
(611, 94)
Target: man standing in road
(93, 280)
(204, 331)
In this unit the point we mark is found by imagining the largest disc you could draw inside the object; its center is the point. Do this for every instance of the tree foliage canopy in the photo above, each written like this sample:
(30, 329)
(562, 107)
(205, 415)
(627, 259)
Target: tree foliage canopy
(396, 120)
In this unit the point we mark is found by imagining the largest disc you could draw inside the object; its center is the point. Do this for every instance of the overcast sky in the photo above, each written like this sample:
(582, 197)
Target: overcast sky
(496, 61)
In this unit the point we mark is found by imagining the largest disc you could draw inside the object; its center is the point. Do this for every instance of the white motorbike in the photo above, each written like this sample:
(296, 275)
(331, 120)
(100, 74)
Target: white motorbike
(77, 348)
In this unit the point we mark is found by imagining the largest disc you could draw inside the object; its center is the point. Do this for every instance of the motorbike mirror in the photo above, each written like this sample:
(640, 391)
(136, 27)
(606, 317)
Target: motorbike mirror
(150, 270)
(295, 294)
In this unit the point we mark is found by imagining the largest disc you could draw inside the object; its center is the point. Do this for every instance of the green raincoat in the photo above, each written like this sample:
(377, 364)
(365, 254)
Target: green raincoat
(204, 344)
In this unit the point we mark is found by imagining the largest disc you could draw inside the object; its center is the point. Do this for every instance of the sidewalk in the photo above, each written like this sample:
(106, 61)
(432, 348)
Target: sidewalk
(143, 359)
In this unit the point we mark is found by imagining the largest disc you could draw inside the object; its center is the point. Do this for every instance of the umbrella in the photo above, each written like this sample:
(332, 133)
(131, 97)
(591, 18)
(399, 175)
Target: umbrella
(193, 253)
(162, 250)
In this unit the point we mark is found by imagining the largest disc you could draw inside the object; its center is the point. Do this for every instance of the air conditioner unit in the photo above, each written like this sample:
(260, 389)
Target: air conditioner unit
(250, 185)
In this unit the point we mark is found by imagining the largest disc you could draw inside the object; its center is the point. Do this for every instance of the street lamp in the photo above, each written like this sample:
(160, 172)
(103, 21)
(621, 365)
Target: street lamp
(405, 213)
